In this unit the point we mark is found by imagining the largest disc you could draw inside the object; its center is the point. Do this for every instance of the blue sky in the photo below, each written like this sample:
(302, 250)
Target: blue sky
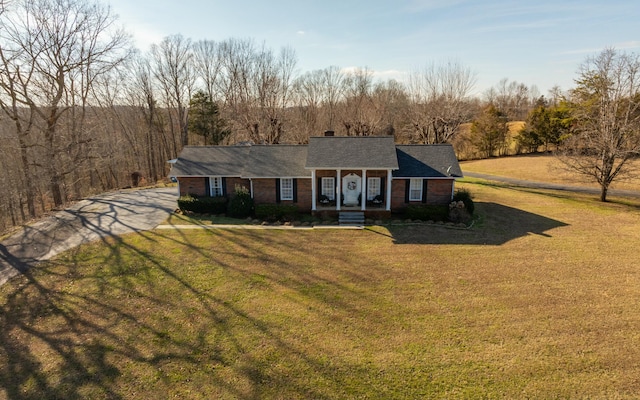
(539, 43)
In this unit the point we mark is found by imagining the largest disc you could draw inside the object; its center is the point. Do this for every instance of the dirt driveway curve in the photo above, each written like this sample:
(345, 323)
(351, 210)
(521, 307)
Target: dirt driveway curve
(105, 215)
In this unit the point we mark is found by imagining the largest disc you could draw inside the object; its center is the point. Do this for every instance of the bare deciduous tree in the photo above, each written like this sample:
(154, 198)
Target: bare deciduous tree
(606, 112)
(208, 65)
(440, 104)
(143, 96)
(273, 81)
(173, 69)
(52, 54)
(333, 92)
(360, 116)
(513, 98)
(257, 87)
(391, 101)
(308, 92)
(235, 83)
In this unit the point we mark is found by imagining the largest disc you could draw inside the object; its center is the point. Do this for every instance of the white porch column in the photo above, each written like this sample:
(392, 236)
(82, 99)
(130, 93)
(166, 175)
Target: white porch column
(313, 190)
(363, 192)
(338, 189)
(388, 208)
(251, 187)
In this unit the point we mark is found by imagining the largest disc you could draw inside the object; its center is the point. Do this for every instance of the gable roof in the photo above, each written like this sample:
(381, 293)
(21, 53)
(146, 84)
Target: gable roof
(427, 161)
(352, 152)
(274, 161)
(210, 161)
(336, 152)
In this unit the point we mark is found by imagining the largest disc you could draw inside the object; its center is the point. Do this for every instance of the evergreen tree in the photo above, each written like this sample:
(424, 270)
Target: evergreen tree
(489, 131)
(205, 119)
(546, 125)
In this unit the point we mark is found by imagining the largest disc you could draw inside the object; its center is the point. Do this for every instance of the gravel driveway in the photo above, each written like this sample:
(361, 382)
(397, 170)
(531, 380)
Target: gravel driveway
(108, 214)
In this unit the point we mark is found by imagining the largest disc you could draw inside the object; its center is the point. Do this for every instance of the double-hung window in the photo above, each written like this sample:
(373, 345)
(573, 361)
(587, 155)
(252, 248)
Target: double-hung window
(215, 186)
(373, 188)
(286, 188)
(415, 190)
(328, 188)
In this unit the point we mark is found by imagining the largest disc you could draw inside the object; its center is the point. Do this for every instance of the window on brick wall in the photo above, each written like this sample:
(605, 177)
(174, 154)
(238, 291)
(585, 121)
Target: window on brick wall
(215, 185)
(415, 190)
(286, 188)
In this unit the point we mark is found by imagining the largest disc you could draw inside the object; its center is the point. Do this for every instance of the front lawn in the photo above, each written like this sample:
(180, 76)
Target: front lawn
(539, 299)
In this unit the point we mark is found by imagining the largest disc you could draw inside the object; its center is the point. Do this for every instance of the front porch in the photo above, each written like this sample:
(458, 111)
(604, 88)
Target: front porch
(367, 191)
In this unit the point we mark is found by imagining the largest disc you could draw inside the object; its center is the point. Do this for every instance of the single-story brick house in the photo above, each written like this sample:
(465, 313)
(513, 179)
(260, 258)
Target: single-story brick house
(330, 174)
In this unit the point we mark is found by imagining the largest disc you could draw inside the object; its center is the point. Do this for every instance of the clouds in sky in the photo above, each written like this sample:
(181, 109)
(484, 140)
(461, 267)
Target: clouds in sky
(537, 43)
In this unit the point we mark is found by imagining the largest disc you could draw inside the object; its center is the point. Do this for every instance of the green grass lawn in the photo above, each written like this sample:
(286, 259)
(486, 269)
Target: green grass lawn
(539, 299)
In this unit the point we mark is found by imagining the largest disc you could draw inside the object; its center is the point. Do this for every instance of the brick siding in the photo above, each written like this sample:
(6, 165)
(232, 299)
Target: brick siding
(264, 190)
(197, 186)
(438, 193)
(231, 184)
(193, 186)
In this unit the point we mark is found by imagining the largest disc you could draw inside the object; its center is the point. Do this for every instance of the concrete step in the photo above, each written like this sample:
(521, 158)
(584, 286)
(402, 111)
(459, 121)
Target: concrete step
(351, 218)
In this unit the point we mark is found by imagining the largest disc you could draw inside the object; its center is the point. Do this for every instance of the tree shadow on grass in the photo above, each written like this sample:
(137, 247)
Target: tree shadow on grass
(92, 324)
(86, 324)
(496, 224)
(121, 321)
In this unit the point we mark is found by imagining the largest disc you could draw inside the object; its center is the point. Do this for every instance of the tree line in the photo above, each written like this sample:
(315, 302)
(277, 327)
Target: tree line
(83, 111)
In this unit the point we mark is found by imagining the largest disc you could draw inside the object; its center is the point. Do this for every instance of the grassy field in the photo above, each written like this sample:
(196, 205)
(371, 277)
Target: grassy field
(539, 299)
(543, 168)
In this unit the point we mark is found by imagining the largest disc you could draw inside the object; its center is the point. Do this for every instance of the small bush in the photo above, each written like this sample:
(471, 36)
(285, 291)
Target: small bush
(465, 196)
(241, 204)
(202, 205)
(427, 213)
(277, 212)
(458, 212)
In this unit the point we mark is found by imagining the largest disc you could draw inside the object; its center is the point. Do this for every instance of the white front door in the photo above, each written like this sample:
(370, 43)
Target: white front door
(351, 189)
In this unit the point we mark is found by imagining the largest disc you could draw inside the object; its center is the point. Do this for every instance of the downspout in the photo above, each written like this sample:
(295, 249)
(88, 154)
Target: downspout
(363, 190)
(389, 190)
(313, 190)
(339, 190)
(453, 189)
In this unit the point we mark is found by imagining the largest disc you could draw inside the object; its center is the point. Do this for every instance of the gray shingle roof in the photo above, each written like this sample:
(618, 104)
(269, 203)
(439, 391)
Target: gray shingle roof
(210, 161)
(273, 161)
(431, 161)
(338, 152)
(352, 152)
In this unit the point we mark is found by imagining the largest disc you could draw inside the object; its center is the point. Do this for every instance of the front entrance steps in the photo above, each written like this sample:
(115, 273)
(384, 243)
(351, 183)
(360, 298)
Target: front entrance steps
(351, 218)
